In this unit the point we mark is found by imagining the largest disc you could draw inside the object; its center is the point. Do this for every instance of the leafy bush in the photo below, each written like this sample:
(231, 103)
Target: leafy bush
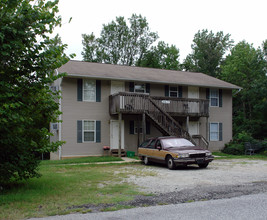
(237, 145)
(234, 149)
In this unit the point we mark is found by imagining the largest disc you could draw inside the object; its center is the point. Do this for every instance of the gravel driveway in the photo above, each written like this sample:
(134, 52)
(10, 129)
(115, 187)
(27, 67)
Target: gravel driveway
(219, 172)
(221, 179)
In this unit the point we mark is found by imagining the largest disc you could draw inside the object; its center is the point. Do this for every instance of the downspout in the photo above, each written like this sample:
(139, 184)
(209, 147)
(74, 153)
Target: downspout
(59, 124)
(239, 90)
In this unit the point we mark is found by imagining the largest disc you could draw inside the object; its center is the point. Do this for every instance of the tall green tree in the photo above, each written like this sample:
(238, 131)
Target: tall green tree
(119, 43)
(245, 66)
(161, 56)
(28, 60)
(208, 49)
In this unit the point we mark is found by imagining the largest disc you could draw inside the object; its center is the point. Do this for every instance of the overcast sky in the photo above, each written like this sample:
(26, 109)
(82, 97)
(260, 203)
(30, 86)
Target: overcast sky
(175, 21)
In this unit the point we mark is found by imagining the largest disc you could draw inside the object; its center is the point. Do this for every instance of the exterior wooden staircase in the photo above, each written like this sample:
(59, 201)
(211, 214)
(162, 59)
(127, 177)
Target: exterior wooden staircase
(164, 122)
(158, 110)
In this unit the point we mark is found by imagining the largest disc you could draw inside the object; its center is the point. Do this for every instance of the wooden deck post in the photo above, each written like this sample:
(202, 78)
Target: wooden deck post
(138, 132)
(207, 129)
(187, 123)
(144, 126)
(119, 152)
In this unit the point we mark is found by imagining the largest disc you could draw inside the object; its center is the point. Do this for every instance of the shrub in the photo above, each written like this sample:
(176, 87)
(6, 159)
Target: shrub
(237, 145)
(234, 148)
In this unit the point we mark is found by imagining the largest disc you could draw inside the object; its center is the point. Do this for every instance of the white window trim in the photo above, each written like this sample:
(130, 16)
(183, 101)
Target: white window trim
(177, 96)
(218, 98)
(218, 130)
(140, 84)
(88, 130)
(86, 89)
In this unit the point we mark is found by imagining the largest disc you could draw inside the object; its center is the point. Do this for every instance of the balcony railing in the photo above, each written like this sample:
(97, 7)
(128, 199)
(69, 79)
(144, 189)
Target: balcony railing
(136, 103)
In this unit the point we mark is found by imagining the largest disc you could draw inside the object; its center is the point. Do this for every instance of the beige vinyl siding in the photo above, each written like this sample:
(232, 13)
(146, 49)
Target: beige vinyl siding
(74, 110)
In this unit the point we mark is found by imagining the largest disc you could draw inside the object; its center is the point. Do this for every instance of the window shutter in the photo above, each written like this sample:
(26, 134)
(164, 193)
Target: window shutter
(147, 88)
(79, 131)
(98, 90)
(166, 91)
(131, 127)
(147, 127)
(180, 89)
(98, 132)
(131, 86)
(207, 93)
(220, 97)
(79, 90)
(220, 132)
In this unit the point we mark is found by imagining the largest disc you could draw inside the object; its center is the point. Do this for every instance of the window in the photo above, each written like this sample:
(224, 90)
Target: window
(152, 144)
(214, 97)
(140, 87)
(136, 127)
(174, 91)
(89, 90)
(89, 131)
(215, 131)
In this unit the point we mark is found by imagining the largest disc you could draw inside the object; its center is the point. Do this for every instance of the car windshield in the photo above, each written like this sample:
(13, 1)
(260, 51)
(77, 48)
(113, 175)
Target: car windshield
(176, 143)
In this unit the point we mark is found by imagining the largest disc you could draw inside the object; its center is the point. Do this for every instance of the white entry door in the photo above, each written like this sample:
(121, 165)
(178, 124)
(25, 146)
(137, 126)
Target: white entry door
(118, 86)
(193, 93)
(193, 127)
(114, 134)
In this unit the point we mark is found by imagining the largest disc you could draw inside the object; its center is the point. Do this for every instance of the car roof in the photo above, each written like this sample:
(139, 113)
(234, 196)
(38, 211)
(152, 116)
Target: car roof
(163, 137)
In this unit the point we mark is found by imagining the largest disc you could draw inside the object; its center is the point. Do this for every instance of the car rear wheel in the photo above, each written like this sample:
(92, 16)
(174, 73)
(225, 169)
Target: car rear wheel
(203, 165)
(170, 163)
(146, 161)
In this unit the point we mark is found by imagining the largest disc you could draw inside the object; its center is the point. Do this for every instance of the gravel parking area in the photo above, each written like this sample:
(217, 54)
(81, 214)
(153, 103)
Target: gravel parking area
(221, 179)
(218, 173)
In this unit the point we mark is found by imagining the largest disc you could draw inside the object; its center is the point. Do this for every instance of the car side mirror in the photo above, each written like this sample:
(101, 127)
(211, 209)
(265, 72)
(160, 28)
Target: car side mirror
(159, 147)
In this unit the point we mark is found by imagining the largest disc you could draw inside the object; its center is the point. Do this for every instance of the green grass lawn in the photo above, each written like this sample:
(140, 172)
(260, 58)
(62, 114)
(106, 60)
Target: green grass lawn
(64, 185)
(69, 183)
(81, 160)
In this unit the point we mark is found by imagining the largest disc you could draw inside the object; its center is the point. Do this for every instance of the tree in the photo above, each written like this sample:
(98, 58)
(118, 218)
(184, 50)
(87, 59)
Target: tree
(161, 56)
(264, 46)
(28, 60)
(246, 67)
(207, 54)
(118, 42)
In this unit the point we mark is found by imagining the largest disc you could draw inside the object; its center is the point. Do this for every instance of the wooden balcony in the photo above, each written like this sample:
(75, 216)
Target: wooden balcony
(137, 103)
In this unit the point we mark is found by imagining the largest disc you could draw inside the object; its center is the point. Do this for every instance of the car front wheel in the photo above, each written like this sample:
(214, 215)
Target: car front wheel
(203, 165)
(170, 163)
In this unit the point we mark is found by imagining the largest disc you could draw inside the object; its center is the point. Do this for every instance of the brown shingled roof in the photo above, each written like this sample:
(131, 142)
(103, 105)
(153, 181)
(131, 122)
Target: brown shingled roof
(131, 73)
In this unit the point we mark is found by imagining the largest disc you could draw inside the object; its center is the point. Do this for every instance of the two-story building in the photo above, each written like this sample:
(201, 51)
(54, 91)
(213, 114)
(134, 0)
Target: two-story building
(120, 106)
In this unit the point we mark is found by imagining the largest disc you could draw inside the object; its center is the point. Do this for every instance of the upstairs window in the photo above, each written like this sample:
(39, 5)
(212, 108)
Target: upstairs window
(214, 97)
(140, 87)
(89, 90)
(174, 92)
